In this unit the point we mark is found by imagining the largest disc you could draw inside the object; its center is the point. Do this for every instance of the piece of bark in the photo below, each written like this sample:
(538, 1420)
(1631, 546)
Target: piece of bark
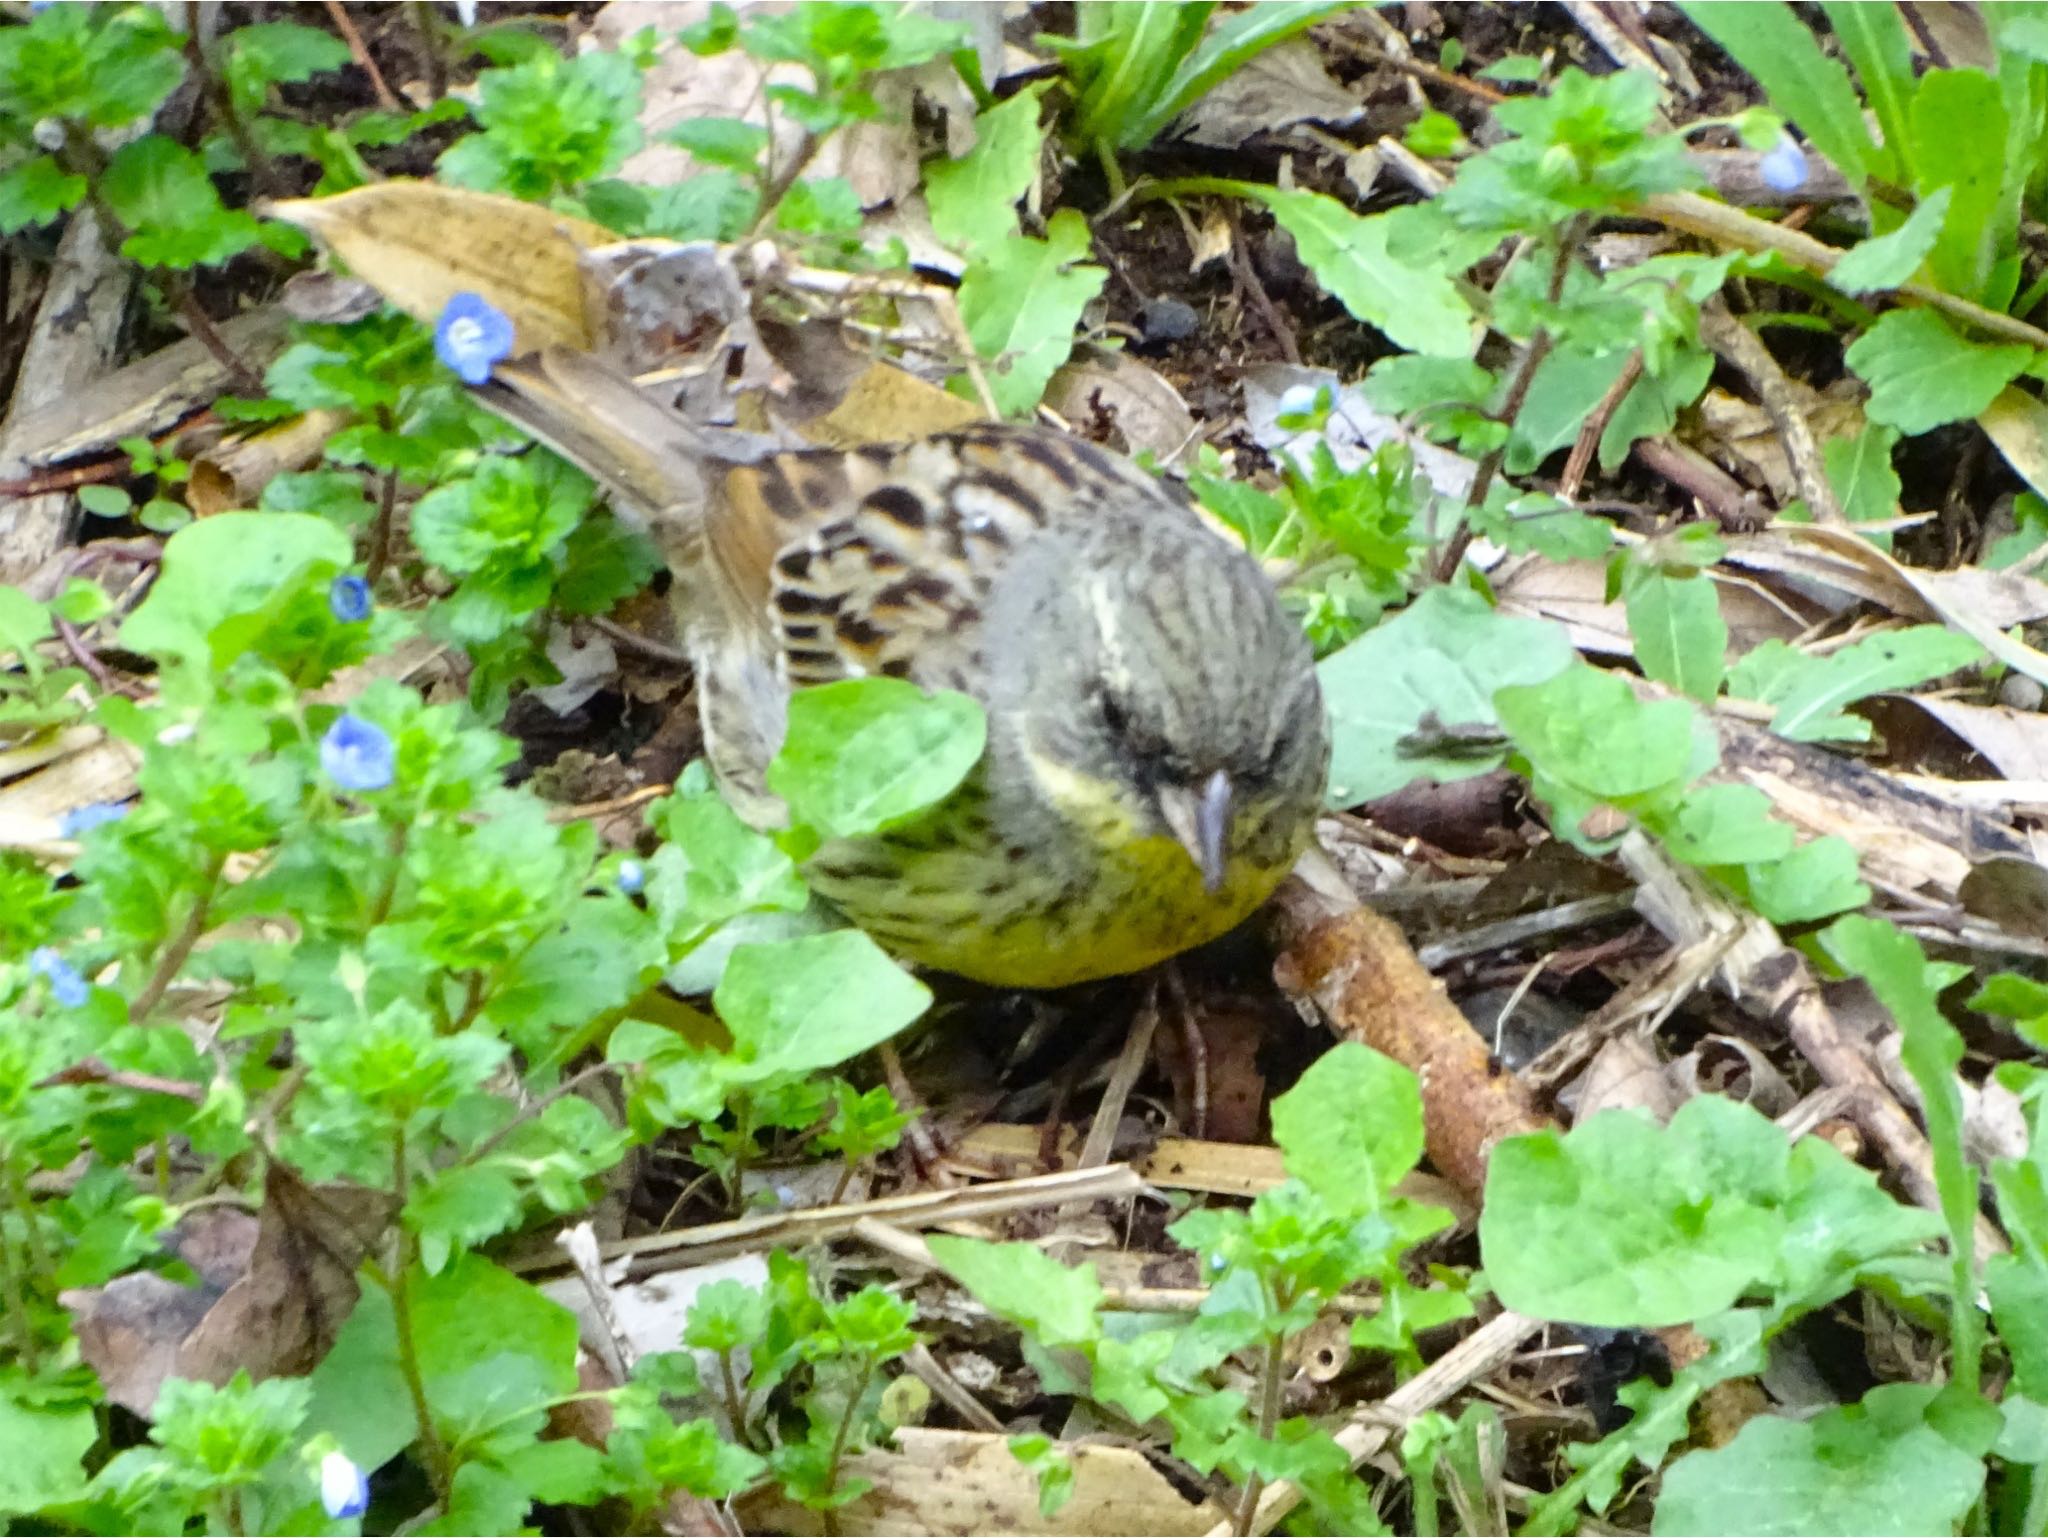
(75, 332)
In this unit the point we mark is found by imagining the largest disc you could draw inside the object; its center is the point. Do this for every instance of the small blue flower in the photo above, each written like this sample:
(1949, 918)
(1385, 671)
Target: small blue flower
(66, 986)
(1303, 407)
(632, 878)
(349, 597)
(1784, 165)
(77, 822)
(357, 754)
(471, 335)
(344, 1488)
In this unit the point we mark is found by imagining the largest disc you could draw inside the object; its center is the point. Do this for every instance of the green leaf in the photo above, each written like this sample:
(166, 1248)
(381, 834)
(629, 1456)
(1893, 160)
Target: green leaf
(46, 1448)
(222, 566)
(1653, 403)
(1815, 881)
(1909, 986)
(1350, 1127)
(1805, 84)
(866, 754)
(1020, 301)
(973, 199)
(1586, 728)
(1569, 383)
(798, 1005)
(728, 142)
(1959, 146)
(1874, 1467)
(1680, 637)
(1727, 825)
(1441, 658)
(473, 1318)
(1624, 1223)
(35, 192)
(161, 191)
(271, 53)
(1233, 43)
(1874, 38)
(1860, 471)
(1059, 1305)
(1889, 260)
(1809, 692)
(1921, 374)
(1420, 309)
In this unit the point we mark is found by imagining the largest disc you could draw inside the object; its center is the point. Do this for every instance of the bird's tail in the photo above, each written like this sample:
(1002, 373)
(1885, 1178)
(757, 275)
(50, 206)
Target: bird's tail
(646, 456)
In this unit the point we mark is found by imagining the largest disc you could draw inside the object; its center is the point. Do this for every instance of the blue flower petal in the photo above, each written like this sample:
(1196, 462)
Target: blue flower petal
(632, 878)
(344, 1488)
(1784, 165)
(471, 335)
(81, 820)
(67, 987)
(357, 754)
(349, 597)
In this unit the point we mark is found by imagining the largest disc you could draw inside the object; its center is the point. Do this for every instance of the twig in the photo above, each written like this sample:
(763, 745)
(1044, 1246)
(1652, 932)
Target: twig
(1137, 1051)
(1737, 509)
(1477, 1356)
(1511, 407)
(817, 1225)
(1736, 344)
(1248, 280)
(1731, 227)
(345, 25)
(1595, 426)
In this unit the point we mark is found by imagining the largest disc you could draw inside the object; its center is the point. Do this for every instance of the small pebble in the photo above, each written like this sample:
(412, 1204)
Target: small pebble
(2016, 691)
(1168, 320)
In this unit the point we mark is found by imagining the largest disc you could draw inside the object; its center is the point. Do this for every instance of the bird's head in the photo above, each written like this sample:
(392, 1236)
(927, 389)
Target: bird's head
(1148, 681)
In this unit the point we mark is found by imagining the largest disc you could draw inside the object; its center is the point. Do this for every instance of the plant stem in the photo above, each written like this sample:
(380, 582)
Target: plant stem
(844, 1434)
(82, 157)
(735, 1402)
(261, 167)
(381, 910)
(180, 949)
(1511, 405)
(439, 1469)
(379, 554)
(13, 1287)
(1269, 1416)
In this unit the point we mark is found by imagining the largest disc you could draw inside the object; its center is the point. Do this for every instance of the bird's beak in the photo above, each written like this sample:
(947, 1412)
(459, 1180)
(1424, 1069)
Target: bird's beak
(1199, 816)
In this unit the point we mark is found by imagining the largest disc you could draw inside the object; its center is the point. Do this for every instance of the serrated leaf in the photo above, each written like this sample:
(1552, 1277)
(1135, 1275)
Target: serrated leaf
(1351, 1126)
(1889, 260)
(1442, 657)
(35, 192)
(1060, 1305)
(1420, 309)
(1727, 825)
(973, 200)
(1810, 691)
(1921, 374)
(1020, 302)
(1874, 1467)
(865, 754)
(795, 1006)
(1623, 1223)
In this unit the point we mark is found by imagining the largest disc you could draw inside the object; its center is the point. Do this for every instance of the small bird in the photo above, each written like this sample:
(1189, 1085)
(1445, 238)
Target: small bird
(1157, 748)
